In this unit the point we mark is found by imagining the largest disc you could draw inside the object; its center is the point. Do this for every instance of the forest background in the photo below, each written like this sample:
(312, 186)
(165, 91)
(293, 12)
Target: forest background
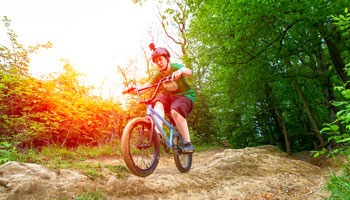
(264, 72)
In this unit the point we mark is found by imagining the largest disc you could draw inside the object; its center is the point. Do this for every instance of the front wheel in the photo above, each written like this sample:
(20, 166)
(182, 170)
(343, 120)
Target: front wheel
(183, 161)
(140, 154)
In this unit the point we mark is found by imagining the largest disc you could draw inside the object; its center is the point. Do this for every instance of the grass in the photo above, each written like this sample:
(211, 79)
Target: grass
(93, 174)
(206, 147)
(121, 170)
(339, 185)
(91, 195)
(58, 158)
(94, 195)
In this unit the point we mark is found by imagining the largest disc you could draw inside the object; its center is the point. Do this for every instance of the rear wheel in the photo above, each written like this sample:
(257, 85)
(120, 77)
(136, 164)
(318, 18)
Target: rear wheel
(140, 154)
(183, 161)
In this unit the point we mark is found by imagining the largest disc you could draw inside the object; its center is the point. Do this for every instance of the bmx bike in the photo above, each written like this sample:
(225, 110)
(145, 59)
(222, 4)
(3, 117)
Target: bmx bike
(141, 143)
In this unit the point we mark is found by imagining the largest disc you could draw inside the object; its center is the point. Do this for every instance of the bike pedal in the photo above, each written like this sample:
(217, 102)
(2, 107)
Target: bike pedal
(186, 152)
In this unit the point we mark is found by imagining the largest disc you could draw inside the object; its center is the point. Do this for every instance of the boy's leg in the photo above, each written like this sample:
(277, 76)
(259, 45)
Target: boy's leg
(180, 108)
(159, 108)
(181, 124)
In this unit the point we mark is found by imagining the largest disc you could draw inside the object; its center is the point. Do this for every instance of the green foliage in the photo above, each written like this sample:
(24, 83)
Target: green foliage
(16, 89)
(339, 135)
(8, 152)
(93, 174)
(105, 150)
(343, 21)
(92, 195)
(119, 170)
(339, 185)
(249, 52)
(53, 155)
(76, 158)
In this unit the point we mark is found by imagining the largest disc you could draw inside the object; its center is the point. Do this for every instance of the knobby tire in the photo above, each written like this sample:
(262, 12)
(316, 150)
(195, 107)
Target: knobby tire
(135, 158)
(183, 161)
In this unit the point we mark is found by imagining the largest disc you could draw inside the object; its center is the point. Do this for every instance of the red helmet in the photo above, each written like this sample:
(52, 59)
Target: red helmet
(160, 51)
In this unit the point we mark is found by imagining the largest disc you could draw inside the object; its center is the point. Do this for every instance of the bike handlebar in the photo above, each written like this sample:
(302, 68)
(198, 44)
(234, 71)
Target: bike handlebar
(165, 79)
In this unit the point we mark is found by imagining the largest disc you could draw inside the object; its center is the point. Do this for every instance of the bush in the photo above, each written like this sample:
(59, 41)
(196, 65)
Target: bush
(56, 110)
(8, 152)
(339, 185)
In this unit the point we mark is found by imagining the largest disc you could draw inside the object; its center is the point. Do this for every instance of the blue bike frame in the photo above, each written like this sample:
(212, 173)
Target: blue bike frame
(153, 114)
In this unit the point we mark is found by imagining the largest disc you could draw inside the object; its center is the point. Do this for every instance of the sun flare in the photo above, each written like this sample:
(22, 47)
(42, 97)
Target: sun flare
(95, 36)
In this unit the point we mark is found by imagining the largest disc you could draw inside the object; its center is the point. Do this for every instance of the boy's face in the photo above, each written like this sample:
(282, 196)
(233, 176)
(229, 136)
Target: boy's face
(161, 62)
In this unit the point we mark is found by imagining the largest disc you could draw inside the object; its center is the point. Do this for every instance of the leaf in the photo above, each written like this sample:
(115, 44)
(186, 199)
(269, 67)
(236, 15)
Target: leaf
(325, 129)
(338, 103)
(336, 18)
(340, 112)
(337, 138)
(334, 127)
(5, 144)
(330, 68)
(346, 93)
(347, 127)
(344, 140)
(339, 88)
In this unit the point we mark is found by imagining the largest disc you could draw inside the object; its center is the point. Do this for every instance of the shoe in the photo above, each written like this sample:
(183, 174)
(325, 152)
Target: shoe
(188, 148)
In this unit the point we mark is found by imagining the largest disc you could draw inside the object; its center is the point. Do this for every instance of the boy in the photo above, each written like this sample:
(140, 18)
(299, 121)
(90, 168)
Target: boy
(178, 97)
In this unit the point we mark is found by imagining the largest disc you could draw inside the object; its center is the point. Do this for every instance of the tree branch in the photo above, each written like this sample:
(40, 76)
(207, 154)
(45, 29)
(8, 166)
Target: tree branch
(267, 46)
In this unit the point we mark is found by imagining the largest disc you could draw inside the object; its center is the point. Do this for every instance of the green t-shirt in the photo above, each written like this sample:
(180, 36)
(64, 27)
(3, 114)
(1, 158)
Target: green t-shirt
(180, 88)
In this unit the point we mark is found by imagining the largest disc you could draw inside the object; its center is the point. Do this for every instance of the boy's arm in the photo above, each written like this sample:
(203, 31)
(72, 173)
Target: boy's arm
(186, 71)
(181, 72)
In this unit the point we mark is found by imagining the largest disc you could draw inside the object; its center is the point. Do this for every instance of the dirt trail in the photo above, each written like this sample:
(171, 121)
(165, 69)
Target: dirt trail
(251, 173)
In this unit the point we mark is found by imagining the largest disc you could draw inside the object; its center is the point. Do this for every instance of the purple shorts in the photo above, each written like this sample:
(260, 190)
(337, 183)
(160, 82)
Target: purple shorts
(181, 104)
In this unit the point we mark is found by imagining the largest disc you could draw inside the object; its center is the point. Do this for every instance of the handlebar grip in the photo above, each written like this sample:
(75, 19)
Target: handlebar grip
(125, 91)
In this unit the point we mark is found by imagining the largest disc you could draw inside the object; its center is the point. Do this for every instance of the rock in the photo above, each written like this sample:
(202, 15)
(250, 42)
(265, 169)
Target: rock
(32, 181)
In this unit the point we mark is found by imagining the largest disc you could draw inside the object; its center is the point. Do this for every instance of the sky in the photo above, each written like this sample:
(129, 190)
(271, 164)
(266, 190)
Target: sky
(94, 35)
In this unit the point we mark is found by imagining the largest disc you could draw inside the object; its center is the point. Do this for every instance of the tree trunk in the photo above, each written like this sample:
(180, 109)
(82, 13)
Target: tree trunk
(337, 60)
(281, 120)
(332, 38)
(309, 113)
(284, 130)
(329, 97)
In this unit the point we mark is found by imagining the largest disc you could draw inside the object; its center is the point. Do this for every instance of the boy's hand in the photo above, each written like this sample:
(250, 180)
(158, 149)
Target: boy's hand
(130, 89)
(176, 75)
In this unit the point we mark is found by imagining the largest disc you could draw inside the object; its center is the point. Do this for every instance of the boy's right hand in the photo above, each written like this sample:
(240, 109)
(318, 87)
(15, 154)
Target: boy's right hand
(130, 89)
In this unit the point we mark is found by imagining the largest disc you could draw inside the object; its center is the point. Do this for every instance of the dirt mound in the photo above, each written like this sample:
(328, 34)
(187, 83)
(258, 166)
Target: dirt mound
(251, 173)
(31, 181)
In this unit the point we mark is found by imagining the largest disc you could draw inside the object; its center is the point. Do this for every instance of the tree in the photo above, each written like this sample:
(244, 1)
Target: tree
(247, 45)
(55, 110)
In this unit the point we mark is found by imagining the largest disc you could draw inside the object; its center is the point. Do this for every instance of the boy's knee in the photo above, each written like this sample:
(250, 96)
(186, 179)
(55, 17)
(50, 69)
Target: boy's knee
(175, 114)
(159, 105)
